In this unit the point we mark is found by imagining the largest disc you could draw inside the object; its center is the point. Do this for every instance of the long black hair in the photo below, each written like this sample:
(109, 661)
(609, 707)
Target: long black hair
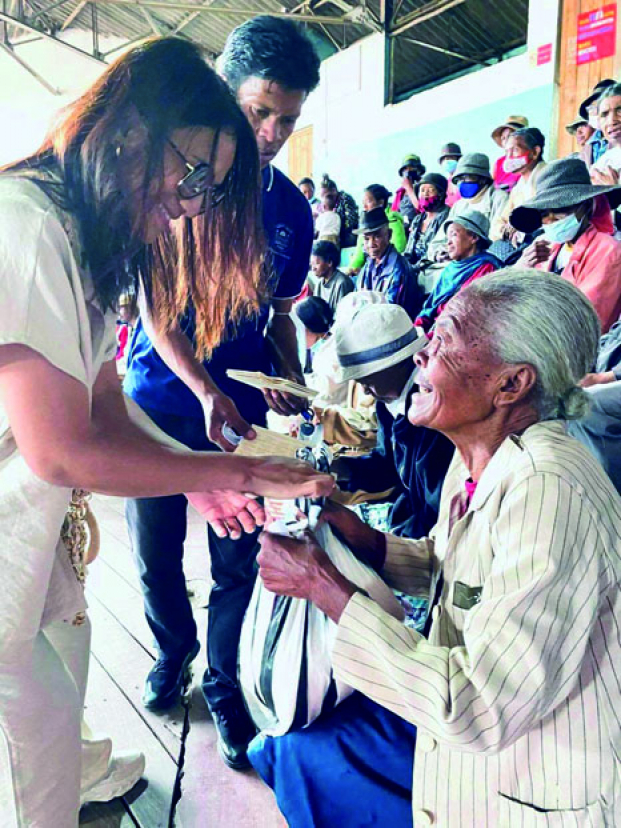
(124, 121)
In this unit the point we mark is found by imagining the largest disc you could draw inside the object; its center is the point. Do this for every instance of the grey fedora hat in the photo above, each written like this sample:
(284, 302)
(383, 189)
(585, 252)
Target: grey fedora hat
(597, 91)
(563, 183)
(474, 222)
(473, 163)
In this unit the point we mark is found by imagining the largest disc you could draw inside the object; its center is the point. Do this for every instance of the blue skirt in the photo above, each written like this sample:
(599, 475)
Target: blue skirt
(349, 769)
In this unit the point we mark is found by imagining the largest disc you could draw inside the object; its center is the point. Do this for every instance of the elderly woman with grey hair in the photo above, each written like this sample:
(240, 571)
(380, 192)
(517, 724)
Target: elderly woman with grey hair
(515, 694)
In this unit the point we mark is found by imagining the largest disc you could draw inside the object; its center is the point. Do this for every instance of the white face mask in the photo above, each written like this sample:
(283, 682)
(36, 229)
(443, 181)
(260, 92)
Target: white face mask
(563, 230)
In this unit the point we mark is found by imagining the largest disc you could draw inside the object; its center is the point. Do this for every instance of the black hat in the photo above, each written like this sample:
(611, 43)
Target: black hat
(372, 221)
(597, 91)
(450, 150)
(438, 181)
(562, 183)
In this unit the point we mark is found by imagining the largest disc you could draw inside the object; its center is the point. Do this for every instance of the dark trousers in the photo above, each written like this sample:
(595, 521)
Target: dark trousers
(157, 529)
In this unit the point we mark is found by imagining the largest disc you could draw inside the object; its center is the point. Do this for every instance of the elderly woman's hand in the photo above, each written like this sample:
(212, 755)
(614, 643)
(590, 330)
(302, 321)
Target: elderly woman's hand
(301, 569)
(601, 378)
(606, 178)
(537, 252)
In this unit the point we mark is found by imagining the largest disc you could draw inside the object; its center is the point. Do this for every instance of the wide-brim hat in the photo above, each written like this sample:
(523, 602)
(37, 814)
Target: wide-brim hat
(474, 222)
(374, 220)
(597, 91)
(562, 183)
(411, 160)
(375, 337)
(573, 126)
(449, 150)
(512, 122)
(473, 163)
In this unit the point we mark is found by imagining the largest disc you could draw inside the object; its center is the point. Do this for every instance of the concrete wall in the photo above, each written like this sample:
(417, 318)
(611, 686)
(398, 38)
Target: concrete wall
(359, 141)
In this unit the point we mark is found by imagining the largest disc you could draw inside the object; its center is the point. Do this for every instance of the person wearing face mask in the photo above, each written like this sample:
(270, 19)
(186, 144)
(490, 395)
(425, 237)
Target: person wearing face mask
(524, 157)
(570, 245)
(503, 179)
(581, 130)
(405, 201)
(474, 180)
(449, 157)
(432, 201)
(596, 145)
(375, 195)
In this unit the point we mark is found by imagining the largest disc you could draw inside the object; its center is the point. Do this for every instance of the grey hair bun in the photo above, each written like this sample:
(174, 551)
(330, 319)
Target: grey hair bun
(574, 404)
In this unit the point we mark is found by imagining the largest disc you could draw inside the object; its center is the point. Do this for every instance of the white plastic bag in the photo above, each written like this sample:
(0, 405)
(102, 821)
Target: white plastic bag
(285, 667)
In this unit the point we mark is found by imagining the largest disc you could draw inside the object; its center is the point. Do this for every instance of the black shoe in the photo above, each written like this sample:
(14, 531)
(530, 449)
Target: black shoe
(235, 732)
(166, 681)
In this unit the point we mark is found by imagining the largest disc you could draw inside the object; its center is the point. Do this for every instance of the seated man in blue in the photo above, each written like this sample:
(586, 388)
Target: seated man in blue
(271, 66)
(467, 243)
(374, 346)
(385, 270)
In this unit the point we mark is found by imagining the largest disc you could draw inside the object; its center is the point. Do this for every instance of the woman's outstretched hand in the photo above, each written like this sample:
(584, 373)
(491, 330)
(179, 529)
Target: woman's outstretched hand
(284, 478)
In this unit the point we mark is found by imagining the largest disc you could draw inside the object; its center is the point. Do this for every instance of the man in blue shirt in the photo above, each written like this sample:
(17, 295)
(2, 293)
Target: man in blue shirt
(271, 66)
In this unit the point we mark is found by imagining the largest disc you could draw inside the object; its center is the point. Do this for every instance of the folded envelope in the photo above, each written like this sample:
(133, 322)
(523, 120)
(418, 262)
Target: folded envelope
(257, 379)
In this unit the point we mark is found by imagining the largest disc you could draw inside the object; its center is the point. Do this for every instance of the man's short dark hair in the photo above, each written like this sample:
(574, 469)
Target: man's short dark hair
(309, 181)
(327, 251)
(271, 48)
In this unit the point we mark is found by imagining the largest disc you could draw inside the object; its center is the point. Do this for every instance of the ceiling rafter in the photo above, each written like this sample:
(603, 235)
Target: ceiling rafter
(421, 15)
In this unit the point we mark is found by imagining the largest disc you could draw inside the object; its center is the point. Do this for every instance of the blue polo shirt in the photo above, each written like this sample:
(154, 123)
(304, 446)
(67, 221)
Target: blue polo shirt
(288, 226)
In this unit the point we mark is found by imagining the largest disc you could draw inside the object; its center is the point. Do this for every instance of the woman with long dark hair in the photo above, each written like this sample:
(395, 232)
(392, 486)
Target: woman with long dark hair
(149, 182)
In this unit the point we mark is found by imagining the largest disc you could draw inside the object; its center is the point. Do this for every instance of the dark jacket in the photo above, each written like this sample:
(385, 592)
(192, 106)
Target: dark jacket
(394, 278)
(412, 459)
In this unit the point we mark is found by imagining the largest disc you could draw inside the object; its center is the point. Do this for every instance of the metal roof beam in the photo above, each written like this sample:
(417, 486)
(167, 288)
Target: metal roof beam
(27, 27)
(32, 17)
(477, 61)
(10, 52)
(426, 12)
(72, 16)
(248, 13)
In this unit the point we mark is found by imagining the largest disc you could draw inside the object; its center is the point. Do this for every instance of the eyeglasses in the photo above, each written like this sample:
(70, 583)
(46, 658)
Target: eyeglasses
(198, 180)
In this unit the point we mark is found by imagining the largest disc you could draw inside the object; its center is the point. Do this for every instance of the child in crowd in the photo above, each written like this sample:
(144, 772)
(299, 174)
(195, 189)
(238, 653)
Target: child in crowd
(328, 222)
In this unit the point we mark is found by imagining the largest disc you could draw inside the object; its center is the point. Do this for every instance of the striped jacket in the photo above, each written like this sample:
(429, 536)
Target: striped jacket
(517, 693)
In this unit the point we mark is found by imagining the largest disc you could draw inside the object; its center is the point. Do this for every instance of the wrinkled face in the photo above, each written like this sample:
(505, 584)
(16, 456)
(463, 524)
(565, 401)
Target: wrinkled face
(457, 379)
(505, 135)
(308, 191)
(376, 242)
(610, 119)
(460, 243)
(385, 386)
(272, 111)
(583, 133)
(163, 203)
(321, 268)
(369, 202)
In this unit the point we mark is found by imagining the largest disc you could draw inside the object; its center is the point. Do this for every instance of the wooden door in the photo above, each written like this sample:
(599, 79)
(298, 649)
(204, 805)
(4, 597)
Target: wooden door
(300, 148)
(576, 82)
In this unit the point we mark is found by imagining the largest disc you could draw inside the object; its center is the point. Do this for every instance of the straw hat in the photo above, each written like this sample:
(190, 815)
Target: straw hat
(513, 122)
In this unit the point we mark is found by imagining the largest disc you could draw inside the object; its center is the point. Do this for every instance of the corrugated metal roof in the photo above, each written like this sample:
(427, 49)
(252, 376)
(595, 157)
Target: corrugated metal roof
(473, 29)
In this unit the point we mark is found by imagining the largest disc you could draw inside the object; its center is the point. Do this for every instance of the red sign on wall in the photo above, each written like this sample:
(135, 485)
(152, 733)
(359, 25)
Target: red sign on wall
(597, 31)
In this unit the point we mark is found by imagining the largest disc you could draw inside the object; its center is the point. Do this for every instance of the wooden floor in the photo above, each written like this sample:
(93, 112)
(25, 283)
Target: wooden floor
(180, 745)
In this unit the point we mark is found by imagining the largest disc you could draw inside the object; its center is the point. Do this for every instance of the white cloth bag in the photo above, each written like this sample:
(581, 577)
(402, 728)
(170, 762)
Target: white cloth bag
(285, 650)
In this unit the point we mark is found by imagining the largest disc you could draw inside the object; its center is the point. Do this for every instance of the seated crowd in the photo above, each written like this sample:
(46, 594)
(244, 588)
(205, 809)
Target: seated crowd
(452, 352)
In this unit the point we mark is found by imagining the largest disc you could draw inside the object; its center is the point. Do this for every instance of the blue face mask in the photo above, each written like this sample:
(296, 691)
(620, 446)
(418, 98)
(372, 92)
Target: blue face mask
(563, 230)
(450, 165)
(468, 189)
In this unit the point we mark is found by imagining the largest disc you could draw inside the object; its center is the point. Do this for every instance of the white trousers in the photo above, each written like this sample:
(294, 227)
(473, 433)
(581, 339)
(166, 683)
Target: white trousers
(41, 702)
